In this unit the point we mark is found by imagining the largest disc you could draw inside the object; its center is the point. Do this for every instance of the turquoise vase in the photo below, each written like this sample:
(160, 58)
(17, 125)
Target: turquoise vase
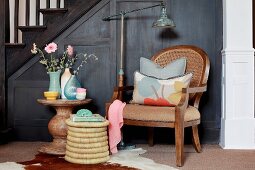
(55, 81)
(70, 87)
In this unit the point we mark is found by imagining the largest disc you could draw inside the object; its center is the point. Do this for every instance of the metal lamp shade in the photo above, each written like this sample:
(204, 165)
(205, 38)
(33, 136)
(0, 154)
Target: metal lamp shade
(163, 21)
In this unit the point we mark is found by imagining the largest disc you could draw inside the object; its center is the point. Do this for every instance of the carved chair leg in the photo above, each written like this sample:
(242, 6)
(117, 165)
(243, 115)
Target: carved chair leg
(195, 139)
(150, 136)
(179, 144)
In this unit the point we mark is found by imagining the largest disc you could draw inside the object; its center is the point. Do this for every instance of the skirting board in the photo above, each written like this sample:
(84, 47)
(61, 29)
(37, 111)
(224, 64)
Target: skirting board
(238, 134)
(5, 136)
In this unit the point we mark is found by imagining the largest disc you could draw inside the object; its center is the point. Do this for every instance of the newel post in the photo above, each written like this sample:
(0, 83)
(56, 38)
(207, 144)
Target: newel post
(237, 120)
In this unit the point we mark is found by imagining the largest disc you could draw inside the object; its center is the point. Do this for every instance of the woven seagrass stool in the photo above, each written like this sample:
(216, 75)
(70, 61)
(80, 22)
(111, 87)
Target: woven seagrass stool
(87, 142)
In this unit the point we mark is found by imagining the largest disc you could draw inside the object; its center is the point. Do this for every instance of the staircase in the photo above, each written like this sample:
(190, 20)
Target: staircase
(13, 55)
(55, 21)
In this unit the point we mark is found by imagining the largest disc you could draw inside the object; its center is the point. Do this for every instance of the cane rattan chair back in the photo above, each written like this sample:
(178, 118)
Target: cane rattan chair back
(197, 62)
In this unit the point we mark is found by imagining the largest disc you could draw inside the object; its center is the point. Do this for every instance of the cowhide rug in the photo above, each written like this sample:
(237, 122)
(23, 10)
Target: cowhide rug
(123, 160)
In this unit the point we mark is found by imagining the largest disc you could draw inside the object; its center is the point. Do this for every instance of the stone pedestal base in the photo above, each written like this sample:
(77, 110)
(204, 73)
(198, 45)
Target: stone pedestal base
(57, 147)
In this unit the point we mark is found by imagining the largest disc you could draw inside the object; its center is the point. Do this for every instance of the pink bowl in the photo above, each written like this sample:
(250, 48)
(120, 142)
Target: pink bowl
(80, 90)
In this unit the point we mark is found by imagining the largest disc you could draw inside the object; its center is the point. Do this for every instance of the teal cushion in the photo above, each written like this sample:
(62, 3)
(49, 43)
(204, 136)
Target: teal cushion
(173, 69)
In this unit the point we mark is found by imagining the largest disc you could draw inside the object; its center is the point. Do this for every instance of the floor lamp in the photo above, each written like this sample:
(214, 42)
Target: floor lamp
(162, 22)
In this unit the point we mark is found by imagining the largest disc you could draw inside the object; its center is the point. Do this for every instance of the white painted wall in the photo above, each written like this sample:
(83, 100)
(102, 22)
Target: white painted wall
(32, 20)
(237, 121)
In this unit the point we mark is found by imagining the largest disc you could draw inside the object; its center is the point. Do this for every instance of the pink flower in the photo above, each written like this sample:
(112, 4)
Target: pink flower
(51, 48)
(69, 50)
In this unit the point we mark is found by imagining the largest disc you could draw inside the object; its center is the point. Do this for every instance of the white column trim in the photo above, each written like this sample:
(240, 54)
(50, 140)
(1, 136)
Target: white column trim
(237, 120)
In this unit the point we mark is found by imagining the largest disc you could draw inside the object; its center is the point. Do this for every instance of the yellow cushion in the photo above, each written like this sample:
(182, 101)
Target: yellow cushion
(156, 113)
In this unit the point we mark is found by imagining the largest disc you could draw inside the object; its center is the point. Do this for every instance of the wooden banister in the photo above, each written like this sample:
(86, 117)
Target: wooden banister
(14, 11)
(16, 21)
(27, 12)
(58, 3)
(48, 4)
(37, 18)
(7, 21)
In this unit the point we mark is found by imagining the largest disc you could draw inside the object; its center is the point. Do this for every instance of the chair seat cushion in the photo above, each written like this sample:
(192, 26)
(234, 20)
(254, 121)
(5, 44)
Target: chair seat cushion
(156, 113)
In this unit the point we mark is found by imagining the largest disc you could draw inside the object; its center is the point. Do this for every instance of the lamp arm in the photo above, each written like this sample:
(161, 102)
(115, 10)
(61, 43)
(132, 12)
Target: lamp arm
(131, 11)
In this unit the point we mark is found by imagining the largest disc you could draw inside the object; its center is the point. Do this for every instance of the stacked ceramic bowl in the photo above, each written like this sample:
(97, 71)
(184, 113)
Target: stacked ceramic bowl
(87, 142)
(80, 93)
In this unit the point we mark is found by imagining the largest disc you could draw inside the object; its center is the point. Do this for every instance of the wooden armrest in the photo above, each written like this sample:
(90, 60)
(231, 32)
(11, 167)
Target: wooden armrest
(195, 89)
(199, 90)
(117, 93)
(184, 102)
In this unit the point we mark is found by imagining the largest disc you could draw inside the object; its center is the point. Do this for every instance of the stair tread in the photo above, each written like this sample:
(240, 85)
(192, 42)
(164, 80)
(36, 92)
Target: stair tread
(32, 28)
(15, 45)
(53, 10)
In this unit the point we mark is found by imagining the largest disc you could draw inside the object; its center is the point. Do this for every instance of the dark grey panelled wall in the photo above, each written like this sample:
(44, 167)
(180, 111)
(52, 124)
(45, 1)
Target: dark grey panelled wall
(2, 68)
(198, 22)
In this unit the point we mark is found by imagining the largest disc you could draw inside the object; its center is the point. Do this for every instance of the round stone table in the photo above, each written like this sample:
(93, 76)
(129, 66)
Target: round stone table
(57, 126)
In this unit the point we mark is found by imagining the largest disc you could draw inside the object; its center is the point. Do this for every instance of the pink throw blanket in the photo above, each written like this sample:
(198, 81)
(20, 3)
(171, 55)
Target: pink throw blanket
(115, 117)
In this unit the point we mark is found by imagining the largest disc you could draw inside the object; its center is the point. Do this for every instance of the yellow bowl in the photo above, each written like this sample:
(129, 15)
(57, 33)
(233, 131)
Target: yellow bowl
(51, 95)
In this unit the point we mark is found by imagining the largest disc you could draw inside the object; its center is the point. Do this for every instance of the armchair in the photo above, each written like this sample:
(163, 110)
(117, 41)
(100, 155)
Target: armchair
(186, 113)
